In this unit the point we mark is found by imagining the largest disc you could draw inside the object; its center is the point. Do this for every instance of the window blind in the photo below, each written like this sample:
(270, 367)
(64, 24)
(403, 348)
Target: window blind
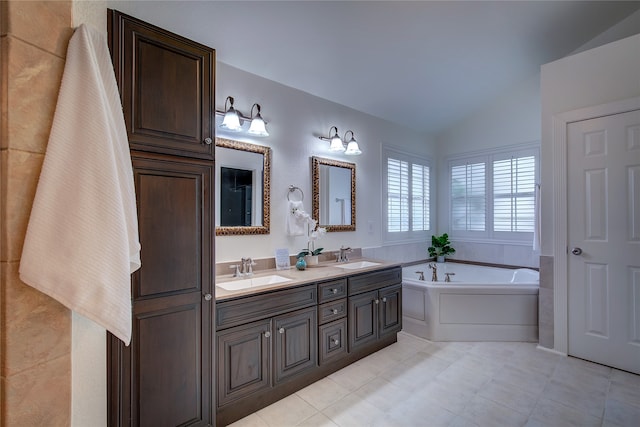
(468, 197)
(513, 194)
(419, 197)
(397, 195)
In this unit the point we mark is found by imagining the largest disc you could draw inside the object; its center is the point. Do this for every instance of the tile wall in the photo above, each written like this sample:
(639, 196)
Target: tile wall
(35, 358)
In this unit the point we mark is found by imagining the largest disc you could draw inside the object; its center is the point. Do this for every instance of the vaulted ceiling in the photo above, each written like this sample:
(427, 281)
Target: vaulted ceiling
(421, 64)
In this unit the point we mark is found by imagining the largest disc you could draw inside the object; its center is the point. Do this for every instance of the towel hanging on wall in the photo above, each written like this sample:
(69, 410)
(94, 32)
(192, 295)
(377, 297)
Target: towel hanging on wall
(82, 239)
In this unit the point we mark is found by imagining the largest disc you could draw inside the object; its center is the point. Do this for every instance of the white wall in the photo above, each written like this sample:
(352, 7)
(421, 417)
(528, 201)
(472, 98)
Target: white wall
(598, 76)
(513, 118)
(295, 120)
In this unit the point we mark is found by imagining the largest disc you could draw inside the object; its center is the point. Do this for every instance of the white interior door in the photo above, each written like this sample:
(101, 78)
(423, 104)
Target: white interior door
(603, 159)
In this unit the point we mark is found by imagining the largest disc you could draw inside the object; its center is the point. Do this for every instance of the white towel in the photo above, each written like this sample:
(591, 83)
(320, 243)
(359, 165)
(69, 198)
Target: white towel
(82, 239)
(536, 219)
(297, 219)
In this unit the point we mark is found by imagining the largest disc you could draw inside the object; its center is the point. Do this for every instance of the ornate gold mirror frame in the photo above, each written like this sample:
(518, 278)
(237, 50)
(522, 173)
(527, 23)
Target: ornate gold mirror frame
(266, 191)
(316, 162)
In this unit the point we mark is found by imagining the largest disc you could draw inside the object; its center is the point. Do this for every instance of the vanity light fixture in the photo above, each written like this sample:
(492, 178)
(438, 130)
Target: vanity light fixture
(234, 120)
(257, 127)
(352, 145)
(337, 145)
(231, 121)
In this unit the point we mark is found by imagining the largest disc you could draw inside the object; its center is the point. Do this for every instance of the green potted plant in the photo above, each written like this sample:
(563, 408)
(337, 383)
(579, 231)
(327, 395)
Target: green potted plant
(310, 253)
(440, 247)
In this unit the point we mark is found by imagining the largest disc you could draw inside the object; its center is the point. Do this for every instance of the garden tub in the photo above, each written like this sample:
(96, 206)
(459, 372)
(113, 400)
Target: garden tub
(479, 303)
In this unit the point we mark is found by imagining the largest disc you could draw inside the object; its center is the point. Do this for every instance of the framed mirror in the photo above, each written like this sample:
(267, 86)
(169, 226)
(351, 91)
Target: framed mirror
(242, 194)
(334, 194)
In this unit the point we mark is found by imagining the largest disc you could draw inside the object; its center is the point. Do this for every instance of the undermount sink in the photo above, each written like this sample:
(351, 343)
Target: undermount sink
(253, 282)
(357, 265)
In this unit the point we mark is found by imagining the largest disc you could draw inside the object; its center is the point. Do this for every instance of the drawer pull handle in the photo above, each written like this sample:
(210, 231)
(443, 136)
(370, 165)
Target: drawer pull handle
(334, 291)
(267, 334)
(384, 299)
(335, 311)
(377, 301)
(281, 330)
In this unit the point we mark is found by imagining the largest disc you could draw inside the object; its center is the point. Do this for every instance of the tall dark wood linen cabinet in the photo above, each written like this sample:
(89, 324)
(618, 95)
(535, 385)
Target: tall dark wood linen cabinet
(166, 376)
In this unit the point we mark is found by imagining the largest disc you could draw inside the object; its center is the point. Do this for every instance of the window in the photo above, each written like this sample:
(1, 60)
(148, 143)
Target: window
(407, 194)
(492, 196)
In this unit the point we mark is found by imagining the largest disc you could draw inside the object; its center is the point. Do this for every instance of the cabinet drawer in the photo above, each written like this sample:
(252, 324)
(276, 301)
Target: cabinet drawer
(332, 310)
(328, 291)
(251, 308)
(375, 280)
(333, 340)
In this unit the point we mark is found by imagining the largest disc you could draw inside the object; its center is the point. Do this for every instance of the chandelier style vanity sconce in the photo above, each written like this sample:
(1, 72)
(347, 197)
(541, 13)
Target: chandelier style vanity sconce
(233, 120)
(336, 144)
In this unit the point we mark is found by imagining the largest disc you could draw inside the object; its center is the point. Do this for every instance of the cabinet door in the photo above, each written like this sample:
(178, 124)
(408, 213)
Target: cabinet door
(166, 86)
(296, 343)
(363, 319)
(244, 361)
(333, 340)
(390, 310)
(165, 376)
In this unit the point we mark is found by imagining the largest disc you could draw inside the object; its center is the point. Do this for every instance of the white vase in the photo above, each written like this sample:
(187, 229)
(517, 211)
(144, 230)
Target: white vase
(311, 259)
(440, 258)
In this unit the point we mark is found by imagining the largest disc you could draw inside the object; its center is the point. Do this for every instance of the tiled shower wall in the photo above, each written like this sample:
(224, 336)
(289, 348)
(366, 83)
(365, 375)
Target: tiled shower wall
(35, 354)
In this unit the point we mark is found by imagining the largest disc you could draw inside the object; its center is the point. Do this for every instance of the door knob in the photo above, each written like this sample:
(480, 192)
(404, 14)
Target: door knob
(208, 297)
(208, 141)
(576, 251)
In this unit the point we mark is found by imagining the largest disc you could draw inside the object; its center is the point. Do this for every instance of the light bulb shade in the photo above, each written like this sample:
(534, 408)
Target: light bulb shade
(336, 144)
(231, 121)
(352, 148)
(258, 127)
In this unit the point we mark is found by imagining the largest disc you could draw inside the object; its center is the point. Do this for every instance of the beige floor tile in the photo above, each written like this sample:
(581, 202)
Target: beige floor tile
(495, 351)
(556, 414)
(485, 412)
(287, 412)
(353, 376)
(621, 413)
(416, 412)
(382, 394)
(318, 420)
(411, 376)
(625, 392)
(352, 411)
(468, 378)
(450, 396)
(252, 420)
(520, 377)
(587, 400)
(323, 393)
(444, 351)
(511, 397)
(381, 361)
(582, 373)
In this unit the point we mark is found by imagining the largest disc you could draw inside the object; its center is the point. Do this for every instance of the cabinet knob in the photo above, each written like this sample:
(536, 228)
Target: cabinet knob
(336, 342)
(334, 291)
(208, 141)
(267, 334)
(334, 311)
(208, 297)
(384, 299)
(281, 330)
(377, 301)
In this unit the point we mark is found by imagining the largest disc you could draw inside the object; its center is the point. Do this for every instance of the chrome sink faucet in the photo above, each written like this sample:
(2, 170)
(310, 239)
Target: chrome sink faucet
(247, 266)
(342, 255)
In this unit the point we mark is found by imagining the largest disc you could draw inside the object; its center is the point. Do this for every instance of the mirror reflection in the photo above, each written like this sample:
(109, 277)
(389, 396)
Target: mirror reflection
(242, 188)
(334, 194)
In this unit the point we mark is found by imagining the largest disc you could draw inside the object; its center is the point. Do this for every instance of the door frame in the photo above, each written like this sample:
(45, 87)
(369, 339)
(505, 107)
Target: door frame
(561, 123)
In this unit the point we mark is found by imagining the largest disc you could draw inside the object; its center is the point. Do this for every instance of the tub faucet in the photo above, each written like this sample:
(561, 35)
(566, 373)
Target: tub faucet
(447, 276)
(434, 274)
(421, 273)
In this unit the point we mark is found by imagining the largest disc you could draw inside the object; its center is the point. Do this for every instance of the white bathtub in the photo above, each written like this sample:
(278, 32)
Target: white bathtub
(479, 304)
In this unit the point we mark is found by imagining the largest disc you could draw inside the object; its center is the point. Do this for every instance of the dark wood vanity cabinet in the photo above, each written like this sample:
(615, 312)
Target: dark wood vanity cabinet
(165, 376)
(375, 307)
